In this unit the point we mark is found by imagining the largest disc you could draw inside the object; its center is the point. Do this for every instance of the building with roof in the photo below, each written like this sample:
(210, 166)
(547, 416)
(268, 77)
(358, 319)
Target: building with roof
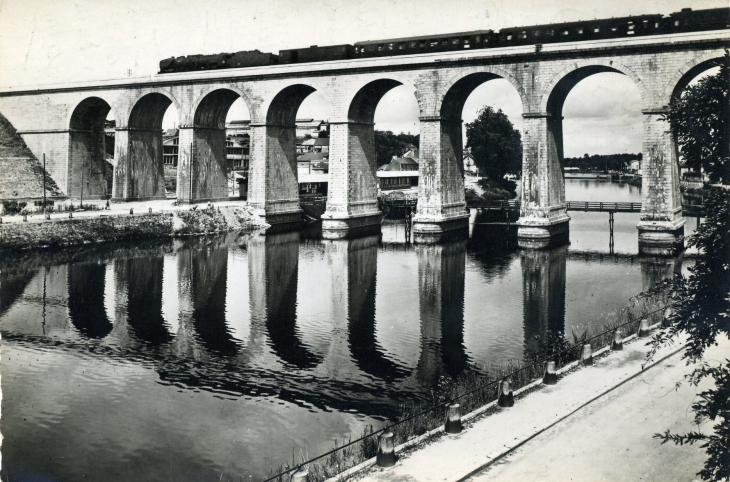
(311, 127)
(309, 144)
(313, 173)
(401, 173)
(170, 147)
(470, 167)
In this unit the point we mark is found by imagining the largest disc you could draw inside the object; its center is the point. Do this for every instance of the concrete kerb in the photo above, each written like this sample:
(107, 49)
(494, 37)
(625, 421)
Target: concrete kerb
(475, 414)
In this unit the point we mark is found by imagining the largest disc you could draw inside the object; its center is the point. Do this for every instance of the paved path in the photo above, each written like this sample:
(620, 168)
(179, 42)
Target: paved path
(588, 427)
(611, 439)
(139, 207)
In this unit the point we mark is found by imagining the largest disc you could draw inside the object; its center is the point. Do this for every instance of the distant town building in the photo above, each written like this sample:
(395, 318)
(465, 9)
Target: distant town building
(313, 173)
(304, 127)
(170, 146)
(401, 173)
(470, 167)
(313, 145)
(311, 127)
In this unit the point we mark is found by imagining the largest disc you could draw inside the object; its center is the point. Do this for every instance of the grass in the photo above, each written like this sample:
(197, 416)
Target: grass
(476, 388)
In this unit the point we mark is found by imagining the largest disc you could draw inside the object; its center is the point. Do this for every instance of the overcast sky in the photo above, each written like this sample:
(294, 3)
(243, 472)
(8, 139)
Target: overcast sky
(44, 41)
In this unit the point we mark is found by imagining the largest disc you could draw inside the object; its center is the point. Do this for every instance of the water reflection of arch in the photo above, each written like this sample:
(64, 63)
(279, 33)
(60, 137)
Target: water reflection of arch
(543, 291)
(359, 257)
(273, 262)
(86, 299)
(202, 274)
(441, 272)
(139, 280)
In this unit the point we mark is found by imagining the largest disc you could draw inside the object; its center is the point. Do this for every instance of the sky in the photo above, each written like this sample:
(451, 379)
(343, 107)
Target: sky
(44, 41)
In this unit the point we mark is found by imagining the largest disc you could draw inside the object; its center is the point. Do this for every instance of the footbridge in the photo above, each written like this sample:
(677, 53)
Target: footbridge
(66, 123)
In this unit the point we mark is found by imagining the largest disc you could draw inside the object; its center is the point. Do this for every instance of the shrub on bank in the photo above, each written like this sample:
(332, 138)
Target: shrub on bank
(103, 229)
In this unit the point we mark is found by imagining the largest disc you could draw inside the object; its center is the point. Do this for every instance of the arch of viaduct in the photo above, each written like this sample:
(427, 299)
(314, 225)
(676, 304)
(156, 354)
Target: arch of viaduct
(66, 123)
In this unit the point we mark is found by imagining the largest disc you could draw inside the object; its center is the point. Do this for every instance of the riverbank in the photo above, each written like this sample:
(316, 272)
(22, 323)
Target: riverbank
(612, 438)
(488, 440)
(97, 227)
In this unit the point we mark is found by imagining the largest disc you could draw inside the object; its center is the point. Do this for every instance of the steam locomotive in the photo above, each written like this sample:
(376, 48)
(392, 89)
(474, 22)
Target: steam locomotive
(685, 21)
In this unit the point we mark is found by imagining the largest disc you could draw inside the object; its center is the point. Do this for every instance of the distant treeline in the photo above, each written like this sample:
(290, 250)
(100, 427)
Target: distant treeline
(388, 145)
(601, 162)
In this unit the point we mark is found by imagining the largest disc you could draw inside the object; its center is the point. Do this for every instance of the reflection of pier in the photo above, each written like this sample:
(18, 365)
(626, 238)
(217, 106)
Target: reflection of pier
(543, 289)
(86, 299)
(655, 269)
(354, 265)
(273, 263)
(441, 270)
(141, 279)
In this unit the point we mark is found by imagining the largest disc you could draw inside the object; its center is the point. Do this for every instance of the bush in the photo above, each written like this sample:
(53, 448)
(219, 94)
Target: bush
(13, 207)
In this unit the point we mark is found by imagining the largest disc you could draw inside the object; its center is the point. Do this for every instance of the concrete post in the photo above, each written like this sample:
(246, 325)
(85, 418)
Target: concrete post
(441, 210)
(618, 343)
(352, 198)
(543, 217)
(273, 189)
(453, 419)
(667, 319)
(386, 450)
(550, 377)
(586, 355)
(506, 397)
(661, 223)
(301, 475)
(644, 330)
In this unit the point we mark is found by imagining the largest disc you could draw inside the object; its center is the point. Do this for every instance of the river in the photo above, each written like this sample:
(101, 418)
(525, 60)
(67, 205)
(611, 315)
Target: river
(215, 358)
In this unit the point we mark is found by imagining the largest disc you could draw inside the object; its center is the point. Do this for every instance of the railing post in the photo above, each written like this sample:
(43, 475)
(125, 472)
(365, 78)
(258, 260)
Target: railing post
(586, 355)
(643, 331)
(550, 377)
(506, 397)
(618, 342)
(301, 475)
(453, 419)
(386, 450)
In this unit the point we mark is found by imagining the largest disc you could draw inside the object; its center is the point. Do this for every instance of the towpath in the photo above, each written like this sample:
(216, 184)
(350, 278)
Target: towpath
(596, 424)
(119, 209)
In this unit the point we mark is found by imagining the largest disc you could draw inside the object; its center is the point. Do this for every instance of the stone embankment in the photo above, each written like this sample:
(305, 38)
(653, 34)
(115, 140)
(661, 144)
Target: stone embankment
(104, 228)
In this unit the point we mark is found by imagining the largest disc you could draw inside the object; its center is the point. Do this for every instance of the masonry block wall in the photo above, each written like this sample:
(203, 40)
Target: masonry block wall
(661, 201)
(352, 187)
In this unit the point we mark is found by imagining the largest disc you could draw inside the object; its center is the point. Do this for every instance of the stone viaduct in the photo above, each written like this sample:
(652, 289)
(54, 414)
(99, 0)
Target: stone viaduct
(65, 122)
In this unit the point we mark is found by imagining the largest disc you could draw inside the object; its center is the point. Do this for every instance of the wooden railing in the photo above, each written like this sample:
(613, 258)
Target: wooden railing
(591, 206)
(514, 205)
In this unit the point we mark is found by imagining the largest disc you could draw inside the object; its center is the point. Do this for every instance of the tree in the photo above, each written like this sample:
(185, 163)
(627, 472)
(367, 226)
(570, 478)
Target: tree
(388, 145)
(700, 120)
(701, 310)
(495, 144)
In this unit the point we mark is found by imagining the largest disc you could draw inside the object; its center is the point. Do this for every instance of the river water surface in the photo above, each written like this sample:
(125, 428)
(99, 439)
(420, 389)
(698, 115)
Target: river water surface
(214, 358)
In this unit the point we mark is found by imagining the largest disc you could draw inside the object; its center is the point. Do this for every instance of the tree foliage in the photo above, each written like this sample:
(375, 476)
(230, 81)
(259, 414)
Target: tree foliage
(600, 162)
(700, 119)
(701, 309)
(495, 144)
(388, 145)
